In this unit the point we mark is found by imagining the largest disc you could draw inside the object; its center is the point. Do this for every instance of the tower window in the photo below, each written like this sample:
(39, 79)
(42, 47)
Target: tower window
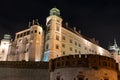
(35, 31)
(47, 46)
(63, 37)
(57, 28)
(48, 37)
(57, 37)
(57, 46)
(39, 32)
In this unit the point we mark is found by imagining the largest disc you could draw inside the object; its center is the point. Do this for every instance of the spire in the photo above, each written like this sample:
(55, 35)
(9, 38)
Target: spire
(55, 11)
(115, 44)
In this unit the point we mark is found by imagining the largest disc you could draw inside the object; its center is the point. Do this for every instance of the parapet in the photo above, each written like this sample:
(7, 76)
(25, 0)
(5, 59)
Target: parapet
(87, 61)
(24, 64)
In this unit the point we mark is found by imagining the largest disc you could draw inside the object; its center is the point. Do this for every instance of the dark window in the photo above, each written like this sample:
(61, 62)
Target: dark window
(31, 31)
(76, 43)
(24, 33)
(47, 46)
(85, 48)
(70, 40)
(28, 32)
(75, 50)
(57, 46)
(39, 32)
(63, 37)
(63, 45)
(106, 79)
(57, 37)
(63, 52)
(79, 52)
(57, 28)
(3, 51)
(48, 37)
(80, 78)
(79, 45)
(18, 36)
(35, 31)
(21, 35)
(70, 48)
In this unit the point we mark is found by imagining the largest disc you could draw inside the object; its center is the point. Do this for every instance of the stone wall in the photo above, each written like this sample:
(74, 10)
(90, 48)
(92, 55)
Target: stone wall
(24, 71)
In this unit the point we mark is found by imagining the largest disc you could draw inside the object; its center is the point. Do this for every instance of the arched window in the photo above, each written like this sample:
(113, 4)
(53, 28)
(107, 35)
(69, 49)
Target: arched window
(47, 46)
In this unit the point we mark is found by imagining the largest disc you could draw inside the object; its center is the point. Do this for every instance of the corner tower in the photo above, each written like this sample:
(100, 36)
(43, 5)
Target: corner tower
(53, 35)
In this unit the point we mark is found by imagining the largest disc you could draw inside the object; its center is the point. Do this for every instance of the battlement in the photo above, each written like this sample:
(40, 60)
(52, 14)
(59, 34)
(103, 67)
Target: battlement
(90, 61)
(23, 64)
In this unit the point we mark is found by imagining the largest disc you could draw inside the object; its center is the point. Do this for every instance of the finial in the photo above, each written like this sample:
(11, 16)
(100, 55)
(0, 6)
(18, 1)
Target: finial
(33, 22)
(74, 28)
(115, 43)
(36, 21)
(29, 24)
(66, 24)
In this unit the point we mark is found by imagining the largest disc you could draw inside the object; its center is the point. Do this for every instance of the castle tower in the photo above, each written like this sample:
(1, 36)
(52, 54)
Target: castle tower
(53, 35)
(28, 44)
(36, 42)
(4, 47)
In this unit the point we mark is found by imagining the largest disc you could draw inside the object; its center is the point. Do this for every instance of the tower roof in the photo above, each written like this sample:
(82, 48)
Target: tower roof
(55, 11)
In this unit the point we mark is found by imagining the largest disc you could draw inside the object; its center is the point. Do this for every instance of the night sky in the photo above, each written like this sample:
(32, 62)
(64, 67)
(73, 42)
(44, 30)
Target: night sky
(98, 19)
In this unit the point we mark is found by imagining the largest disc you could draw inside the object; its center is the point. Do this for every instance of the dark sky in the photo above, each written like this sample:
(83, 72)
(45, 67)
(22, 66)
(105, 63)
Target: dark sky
(95, 18)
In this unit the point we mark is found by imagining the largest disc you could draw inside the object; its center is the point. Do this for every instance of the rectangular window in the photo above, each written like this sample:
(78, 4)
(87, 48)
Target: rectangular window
(63, 37)
(63, 45)
(35, 31)
(70, 40)
(57, 28)
(24, 33)
(57, 46)
(57, 37)
(70, 48)
(28, 32)
(18, 36)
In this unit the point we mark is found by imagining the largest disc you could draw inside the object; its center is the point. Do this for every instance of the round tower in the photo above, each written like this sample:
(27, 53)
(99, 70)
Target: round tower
(53, 35)
(4, 47)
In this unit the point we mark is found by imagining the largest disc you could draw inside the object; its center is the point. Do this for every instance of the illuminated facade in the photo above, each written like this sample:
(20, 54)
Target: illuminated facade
(36, 44)
(70, 55)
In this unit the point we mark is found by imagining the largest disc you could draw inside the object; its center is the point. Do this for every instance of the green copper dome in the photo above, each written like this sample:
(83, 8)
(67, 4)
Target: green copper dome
(55, 11)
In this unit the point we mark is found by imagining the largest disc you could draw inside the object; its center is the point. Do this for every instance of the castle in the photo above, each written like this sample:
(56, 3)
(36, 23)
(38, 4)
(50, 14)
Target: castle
(71, 55)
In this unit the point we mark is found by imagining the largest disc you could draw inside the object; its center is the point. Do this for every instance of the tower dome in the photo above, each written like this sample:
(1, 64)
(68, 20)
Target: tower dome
(55, 11)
